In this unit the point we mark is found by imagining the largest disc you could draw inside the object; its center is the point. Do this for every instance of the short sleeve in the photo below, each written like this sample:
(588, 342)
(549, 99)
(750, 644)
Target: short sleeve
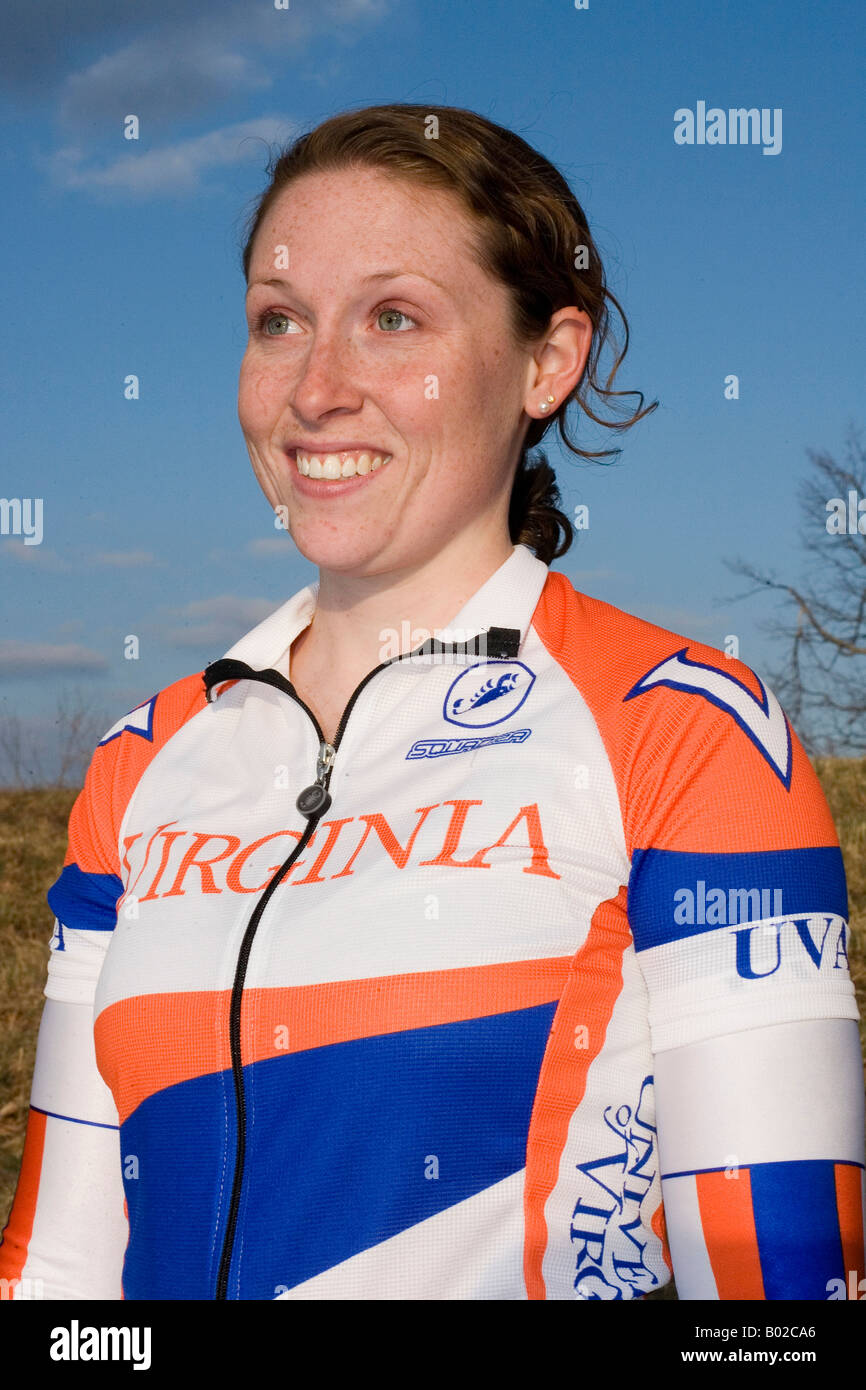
(737, 896)
(84, 896)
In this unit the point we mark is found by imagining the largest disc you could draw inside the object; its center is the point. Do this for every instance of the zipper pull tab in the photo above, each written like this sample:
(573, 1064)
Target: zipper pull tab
(327, 754)
(315, 800)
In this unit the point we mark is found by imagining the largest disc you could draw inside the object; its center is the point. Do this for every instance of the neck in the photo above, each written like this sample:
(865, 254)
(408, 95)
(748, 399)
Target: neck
(359, 622)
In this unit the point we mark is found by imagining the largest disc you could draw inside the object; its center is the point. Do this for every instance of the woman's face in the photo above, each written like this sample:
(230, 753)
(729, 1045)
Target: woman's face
(381, 335)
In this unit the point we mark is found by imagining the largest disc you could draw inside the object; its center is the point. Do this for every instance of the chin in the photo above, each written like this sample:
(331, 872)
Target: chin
(339, 554)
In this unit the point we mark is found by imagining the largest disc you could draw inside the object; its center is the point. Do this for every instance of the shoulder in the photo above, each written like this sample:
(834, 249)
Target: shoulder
(118, 762)
(84, 896)
(690, 732)
(137, 736)
(610, 652)
(154, 721)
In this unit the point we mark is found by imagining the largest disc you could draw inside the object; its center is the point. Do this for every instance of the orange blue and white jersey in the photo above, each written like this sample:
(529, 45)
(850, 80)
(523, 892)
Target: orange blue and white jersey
(533, 984)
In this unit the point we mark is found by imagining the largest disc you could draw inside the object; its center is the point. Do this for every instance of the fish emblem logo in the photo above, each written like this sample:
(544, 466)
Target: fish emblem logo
(488, 693)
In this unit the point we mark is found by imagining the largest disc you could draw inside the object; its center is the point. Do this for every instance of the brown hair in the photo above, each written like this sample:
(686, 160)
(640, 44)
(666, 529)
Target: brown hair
(530, 228)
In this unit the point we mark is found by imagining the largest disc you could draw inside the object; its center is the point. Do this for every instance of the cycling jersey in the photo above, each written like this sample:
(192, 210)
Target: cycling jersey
(379, 1019)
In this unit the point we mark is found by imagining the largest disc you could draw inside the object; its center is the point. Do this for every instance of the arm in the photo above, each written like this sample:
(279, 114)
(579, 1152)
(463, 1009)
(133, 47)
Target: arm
(738, 907)
(762, 1160)
(67, 1230)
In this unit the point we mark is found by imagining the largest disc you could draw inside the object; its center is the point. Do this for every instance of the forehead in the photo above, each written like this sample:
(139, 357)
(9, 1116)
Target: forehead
(349, 216)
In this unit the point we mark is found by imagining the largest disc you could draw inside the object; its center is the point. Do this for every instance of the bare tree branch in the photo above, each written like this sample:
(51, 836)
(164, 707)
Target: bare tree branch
(20, 751)
(822, 617)
(79, 726)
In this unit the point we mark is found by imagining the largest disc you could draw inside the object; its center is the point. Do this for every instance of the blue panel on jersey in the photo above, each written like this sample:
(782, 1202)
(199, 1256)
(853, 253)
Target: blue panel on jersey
(339, 1140)
(85, 902)
(797, 1225)
(343, 1167)
(673, 895)
(184, 1141)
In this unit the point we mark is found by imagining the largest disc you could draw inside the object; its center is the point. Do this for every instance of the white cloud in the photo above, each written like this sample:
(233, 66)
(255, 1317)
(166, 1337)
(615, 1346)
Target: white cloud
(41, 658)
(215, 622)
(198, 49)
(271, 545)
(40, 556)
(166, 64)
(171, 169)
(158, 81)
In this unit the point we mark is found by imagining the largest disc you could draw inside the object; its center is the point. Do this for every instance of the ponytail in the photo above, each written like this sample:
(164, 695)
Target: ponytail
(534, 516)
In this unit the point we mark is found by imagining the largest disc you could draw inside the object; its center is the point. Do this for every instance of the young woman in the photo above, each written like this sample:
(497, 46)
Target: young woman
(457, 935)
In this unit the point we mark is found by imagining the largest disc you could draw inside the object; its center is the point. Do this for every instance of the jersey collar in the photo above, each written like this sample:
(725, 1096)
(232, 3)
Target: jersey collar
(507, 599)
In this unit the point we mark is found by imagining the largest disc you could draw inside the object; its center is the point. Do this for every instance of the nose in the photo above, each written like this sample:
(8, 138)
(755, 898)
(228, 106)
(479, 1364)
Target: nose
(328, 376)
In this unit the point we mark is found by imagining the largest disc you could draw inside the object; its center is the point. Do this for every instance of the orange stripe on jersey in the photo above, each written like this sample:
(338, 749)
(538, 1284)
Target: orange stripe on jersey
(660, 1226)
(317, 1015)
(665, 741)
(113, 774)
(19, 1228)
(150, 1042)
(594, 983)
(849, 1203)
(728, 1224)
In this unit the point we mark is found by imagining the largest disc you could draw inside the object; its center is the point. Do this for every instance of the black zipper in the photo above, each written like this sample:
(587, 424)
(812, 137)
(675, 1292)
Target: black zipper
(312, 802)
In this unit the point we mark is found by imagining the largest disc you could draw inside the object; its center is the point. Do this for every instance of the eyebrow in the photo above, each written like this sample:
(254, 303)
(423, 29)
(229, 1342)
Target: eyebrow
(281, 283)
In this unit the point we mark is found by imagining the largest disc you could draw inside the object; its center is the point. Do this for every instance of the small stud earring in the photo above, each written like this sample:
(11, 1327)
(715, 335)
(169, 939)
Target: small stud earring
(546, 404)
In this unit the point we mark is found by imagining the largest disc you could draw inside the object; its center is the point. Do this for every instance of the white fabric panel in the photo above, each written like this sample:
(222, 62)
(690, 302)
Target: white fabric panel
(65, 1079)
(692, 1271)
(710, 998)
(74, 970)
(464, 1249)
(766, 1095)
(80, 1231)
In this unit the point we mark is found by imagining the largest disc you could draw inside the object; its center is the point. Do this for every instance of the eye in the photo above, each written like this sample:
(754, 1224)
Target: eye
(274, 324)
(390, 312)
(270, 316)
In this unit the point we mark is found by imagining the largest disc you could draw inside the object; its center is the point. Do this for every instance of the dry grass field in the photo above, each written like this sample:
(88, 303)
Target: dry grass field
(32, 847)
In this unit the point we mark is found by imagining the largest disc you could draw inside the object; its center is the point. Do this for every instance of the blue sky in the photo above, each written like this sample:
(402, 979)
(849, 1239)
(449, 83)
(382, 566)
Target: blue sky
(124, 257)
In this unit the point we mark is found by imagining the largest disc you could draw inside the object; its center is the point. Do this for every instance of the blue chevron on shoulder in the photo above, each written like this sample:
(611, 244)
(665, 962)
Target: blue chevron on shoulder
(137, 721)
(763, 721)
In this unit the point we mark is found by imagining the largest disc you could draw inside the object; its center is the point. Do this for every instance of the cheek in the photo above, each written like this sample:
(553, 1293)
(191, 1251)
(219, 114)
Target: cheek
(435, 401)
(467, 398)
(258, 392)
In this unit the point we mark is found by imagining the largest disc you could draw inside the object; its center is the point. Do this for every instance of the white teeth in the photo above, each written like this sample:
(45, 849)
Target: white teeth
(338, 465)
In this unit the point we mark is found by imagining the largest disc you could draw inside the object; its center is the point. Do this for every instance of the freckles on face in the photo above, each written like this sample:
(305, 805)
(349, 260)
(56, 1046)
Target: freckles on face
(262, 391)
(430, 386)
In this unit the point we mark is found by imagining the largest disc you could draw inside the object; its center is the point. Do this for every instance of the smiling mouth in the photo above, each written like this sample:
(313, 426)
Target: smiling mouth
(342, 465)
